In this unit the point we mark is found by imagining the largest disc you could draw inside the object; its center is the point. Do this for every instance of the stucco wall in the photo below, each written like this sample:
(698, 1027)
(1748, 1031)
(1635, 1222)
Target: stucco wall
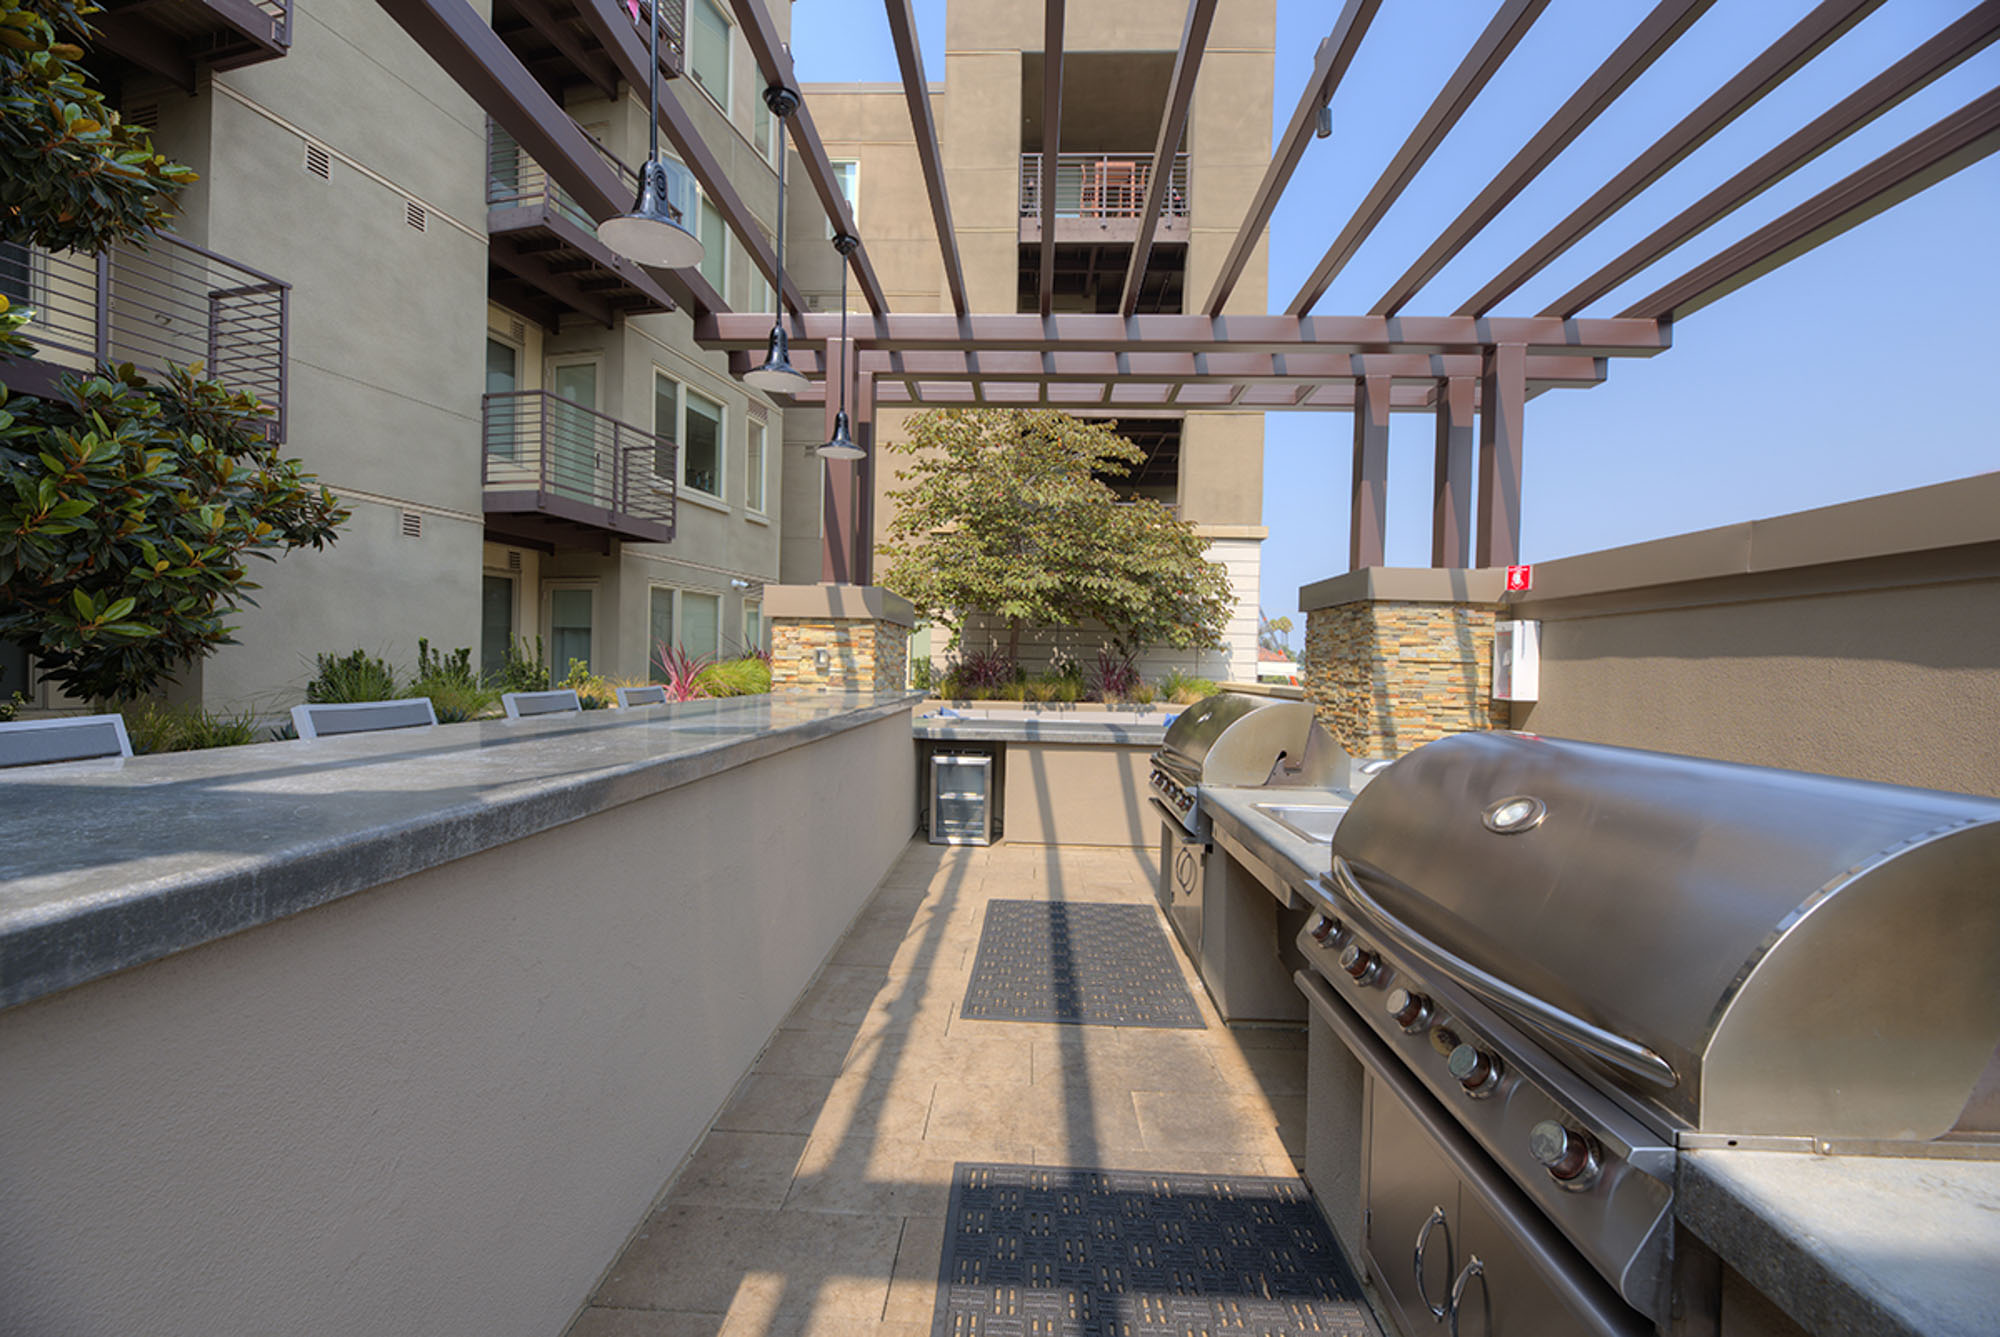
(439, 1106)
(1083, 795)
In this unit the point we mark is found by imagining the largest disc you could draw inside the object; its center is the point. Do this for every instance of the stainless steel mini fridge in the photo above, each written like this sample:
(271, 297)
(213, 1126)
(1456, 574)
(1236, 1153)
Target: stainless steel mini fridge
(961, 800)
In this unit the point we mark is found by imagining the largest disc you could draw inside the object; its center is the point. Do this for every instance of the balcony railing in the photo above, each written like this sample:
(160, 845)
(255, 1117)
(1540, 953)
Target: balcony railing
(172, 38)
(151, 303)
(516, 181)
(554, 466)
(1102, 185)
(673, 32)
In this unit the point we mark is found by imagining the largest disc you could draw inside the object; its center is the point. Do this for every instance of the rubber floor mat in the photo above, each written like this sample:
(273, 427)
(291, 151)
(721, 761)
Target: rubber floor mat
(1077, 1253)
(1081, 964)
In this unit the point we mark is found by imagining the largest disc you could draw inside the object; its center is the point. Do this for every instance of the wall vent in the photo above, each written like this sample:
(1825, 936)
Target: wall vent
(318, 161)
(517, 330)
(758, 413)
(414, 215)
(146, 116)
(815, 302)
(513, 559)
(413, 524)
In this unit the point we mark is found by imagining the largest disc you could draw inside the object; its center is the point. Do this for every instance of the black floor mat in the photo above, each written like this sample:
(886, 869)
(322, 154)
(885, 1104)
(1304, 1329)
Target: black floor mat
(1079, 1253)
(1084, 964)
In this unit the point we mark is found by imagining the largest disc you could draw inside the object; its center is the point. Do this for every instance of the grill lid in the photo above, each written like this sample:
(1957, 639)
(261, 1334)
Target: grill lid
(1232, 738)
(1741, 949)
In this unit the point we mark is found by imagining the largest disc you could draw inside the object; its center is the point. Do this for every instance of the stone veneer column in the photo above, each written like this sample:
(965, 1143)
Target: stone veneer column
(1398, 656)
(838, 638)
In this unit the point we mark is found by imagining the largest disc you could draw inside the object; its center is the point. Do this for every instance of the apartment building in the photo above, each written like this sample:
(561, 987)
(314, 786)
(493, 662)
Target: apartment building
(1116, 71)
(528, 437)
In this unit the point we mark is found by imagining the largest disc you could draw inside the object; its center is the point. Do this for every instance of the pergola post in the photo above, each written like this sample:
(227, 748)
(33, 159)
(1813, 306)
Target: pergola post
(863, 412)
(1503, 387)
(1451, 479)
(1370, 497)
(838, 527)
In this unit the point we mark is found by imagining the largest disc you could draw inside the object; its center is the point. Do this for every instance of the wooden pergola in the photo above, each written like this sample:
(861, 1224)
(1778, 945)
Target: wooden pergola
(1472, 369)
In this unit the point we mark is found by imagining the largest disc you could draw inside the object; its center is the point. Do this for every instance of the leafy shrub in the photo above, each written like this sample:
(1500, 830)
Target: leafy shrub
(348, 678)
(1185, 689)
(11, 707)
(521, 672)
(986, 675)
(154, 726)
(452, 685)
(681, 672)
(747, 676)
(1117, 677)
(923, 675)
(1142, 694)
(592, 692)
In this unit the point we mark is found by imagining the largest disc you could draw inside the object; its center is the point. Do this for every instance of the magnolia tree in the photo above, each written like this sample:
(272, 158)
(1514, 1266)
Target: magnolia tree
(1005, 513)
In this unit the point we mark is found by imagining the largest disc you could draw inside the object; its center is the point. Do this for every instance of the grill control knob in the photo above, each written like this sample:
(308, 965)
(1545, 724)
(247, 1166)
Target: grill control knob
(1476, 1070)
(1568, 1156)
(1362, 965)
(1327, 929)
(1411, 1011)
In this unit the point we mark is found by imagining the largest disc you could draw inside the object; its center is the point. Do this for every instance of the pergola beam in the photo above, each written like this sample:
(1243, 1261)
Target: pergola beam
(916, 92)
(1404, 398)
(776, 64)
(1655, 33)
(1178, 369)
(1956, 142)
(1336, 53)
(1777, 63)
(1052, 70)
(1496, 42)
(1972, 33)
(1180, 97)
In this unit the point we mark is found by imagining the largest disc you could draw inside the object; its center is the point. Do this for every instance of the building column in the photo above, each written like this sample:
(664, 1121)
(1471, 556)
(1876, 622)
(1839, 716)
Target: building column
(1370, 496)
(1451, 479)
(1503, 390)
(837, 530)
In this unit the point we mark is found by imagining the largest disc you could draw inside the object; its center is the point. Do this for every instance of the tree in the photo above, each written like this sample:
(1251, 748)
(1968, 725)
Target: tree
(126, 513)
(1274, 633)
(1006, 513)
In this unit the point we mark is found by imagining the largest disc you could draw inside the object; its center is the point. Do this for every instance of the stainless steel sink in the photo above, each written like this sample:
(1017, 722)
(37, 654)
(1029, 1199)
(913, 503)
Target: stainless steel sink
(1313, 821)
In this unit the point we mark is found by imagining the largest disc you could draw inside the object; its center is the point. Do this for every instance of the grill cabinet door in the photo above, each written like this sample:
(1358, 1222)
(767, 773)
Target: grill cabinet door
(1515, 1300)
(1408, 1180)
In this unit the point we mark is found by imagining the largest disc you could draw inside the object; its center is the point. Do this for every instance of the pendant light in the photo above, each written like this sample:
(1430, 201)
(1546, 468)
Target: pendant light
(777, 376)
(655, 232)
(842, 446)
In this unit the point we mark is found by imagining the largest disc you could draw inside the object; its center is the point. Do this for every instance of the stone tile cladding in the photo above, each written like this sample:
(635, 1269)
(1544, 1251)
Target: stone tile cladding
(1386, 677)
(862, 655)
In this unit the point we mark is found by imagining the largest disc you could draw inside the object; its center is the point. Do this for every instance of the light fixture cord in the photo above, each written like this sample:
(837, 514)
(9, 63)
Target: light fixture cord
(845, 351)
(654, 9)
(779, 300)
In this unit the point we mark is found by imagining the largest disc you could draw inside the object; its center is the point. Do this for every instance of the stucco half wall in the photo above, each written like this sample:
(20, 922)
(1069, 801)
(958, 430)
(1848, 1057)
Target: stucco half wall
(440, 1105)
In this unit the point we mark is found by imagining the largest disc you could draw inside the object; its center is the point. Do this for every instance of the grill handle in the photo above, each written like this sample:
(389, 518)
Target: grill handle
(1626, 1055)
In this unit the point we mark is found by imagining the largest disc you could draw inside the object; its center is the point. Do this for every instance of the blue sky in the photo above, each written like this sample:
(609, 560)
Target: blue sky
(1867, 366)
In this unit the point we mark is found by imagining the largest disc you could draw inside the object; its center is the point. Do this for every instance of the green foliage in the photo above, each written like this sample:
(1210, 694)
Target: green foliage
(521, 672)
(1185, 689)
(747, 676)
(1274, 633)
(73, 176)
(592, 692)
(1005, 513)
(357, 676)
(452, 685)
(923, 675)
(154, 726)
(127, 509)
(11, 707)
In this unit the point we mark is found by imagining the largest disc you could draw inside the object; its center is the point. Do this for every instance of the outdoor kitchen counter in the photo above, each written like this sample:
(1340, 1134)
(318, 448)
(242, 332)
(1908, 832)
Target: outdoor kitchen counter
(1083, 729)
(1871, 1245)
(1294, 859)
(109, 864)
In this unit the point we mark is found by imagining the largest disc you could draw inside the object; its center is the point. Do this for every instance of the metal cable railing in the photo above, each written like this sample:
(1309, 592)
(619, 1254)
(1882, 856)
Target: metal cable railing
(1102, 185)
(673, 30)
(541, 442)
(156, 301)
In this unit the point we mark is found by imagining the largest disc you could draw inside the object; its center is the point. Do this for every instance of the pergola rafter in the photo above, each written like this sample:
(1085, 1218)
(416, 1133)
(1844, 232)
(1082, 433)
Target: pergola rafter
(1173, 124)
(916, 92)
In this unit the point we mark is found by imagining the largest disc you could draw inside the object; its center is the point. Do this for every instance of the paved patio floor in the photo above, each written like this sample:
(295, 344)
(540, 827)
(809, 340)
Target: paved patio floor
(817, 1205)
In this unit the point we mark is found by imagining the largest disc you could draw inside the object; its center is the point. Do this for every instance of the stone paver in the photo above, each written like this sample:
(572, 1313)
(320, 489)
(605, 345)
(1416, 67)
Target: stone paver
(817, 1203)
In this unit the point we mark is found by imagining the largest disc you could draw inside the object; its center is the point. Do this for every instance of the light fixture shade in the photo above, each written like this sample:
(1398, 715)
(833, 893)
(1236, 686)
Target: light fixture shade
(842, 446)
(777, 376)
(656, 231)
(1324, 129)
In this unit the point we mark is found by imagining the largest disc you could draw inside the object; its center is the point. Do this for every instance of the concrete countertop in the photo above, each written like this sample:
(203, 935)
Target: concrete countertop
(1077, 729)
(109, 864)
(1292, 857)
(1900, 1247)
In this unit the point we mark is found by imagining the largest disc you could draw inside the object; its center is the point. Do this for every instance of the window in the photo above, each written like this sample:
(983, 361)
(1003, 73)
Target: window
(714, 247)
(660, 629)
(753, 477)
(847, 172)
(761, 126)
(503, 416)
(569, 627)
(701, 623)
(760, 294)
(708, 50)
(16, 272)
(701, 445)
(666, 422)
(496, 622)
(753, 625)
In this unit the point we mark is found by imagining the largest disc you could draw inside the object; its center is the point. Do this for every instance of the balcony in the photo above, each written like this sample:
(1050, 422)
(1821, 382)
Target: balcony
(178, 39)
(558, 475)
(1099, 197)
(544, 256)
(564, 50)
(150, 304)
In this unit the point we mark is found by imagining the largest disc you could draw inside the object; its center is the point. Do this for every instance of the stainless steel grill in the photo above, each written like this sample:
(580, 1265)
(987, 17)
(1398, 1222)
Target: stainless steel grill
(1234, 739)
(1586, 958)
